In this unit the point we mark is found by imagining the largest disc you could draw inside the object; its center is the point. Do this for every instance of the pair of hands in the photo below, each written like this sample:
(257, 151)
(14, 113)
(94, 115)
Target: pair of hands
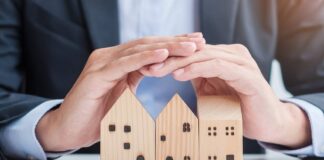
(213, 69)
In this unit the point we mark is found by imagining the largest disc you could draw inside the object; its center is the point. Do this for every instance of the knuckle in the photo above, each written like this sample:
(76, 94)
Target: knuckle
(99, 53)
(144, 40)
(134, 49)
(90, 75)
(95, 54)
(241, 48)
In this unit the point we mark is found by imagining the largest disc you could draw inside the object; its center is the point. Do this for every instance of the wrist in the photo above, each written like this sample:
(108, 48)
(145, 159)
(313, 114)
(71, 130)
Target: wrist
(295, 129)
(48, 133)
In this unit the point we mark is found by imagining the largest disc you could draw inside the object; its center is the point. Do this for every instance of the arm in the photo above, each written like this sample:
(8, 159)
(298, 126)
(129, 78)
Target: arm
(12, 104)
(17, 130)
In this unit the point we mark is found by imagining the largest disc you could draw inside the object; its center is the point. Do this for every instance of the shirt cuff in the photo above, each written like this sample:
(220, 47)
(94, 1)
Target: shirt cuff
(18, 138)
(316, 118)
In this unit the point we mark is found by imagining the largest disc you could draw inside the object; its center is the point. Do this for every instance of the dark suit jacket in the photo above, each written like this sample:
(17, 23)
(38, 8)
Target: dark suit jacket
(45, 44)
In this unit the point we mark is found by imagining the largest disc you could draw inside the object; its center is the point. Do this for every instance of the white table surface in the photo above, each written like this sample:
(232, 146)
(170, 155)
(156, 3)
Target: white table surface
(246, 157)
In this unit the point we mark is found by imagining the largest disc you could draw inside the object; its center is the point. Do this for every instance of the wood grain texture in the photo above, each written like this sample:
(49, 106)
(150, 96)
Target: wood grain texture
(133, 125)
(180, 127)
(220, 128)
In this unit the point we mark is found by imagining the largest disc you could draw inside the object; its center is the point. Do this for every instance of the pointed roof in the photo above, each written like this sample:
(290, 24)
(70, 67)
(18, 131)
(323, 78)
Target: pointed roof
(177, 107)
(127, 105)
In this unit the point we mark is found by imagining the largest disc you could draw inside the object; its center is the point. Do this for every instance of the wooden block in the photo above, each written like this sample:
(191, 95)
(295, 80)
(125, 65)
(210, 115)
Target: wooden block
(220, 128)
(177, 132)
(127, 131)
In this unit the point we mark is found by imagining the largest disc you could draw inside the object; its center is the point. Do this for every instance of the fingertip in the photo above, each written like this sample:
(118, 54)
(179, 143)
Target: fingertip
(157, 66)
(189, 46)
(144, 69)
(145, 72)
(200, 42)
(195, 35)
(162, 53)
(178, 72)
(179, 78)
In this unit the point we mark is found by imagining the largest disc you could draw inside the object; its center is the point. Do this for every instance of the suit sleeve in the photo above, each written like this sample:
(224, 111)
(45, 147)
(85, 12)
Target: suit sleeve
(13, 103)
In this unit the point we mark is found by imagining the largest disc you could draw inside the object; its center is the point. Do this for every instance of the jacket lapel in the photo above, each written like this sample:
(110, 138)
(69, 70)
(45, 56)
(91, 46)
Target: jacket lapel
(218, 20)
(101, 19)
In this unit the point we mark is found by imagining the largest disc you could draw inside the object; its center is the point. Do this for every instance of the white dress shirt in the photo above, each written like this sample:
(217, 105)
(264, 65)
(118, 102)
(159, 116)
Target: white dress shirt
(138, 19)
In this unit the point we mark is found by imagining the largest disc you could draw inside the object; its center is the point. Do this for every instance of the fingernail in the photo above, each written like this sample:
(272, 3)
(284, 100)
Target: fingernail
(157, 66)
(190, 45)
(204, 41)
(178, 72)
(195, 35)
(161, 51)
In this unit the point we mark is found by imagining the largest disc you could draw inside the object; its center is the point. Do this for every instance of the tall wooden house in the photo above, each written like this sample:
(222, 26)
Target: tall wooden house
(220, 128)
(127, 131)
(177, 132)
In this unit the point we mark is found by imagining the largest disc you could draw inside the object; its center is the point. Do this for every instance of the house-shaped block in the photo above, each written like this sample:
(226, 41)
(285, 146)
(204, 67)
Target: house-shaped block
(127, 131)
(177, 132)
(220, 128)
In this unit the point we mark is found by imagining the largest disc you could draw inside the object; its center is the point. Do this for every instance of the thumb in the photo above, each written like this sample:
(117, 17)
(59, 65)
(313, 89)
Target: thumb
(133, 80)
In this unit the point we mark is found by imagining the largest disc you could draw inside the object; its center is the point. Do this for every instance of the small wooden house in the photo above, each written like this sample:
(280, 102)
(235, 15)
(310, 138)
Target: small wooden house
(220, 128)
(177, 132)
(127, 131)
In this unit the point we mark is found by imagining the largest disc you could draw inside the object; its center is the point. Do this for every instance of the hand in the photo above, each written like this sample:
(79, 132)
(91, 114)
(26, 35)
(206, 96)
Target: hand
(231, 70)
(108, 71)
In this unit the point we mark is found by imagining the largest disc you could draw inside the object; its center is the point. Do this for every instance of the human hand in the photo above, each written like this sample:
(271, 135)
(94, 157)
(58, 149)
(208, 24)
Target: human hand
(108, 71)
(231, 70)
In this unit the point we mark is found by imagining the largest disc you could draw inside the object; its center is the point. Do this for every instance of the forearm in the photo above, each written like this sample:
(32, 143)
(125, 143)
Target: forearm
(49, 134)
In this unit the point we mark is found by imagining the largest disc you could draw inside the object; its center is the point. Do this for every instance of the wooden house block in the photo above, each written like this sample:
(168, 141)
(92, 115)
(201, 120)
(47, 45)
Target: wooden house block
(220, 128)
(127, 131)
(177, 132)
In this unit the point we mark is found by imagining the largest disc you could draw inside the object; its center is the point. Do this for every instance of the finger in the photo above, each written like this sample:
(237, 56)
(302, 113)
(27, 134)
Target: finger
(174, 63)
(207, 69)
(127, 64)
(241, 50)
(237, 77)
(146, 70)
(174, 48)
(192, 35)
(152, 40)
(201, 45)
(134, 79)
